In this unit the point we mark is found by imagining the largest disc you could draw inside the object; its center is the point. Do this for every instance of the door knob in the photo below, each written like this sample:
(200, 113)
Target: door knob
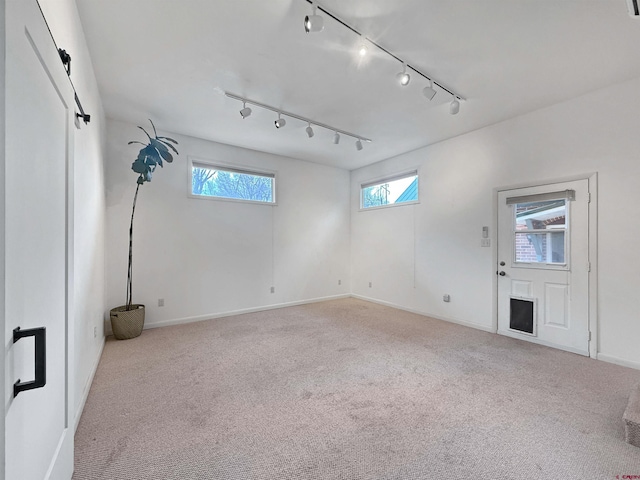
(502, 264)
(502, 273)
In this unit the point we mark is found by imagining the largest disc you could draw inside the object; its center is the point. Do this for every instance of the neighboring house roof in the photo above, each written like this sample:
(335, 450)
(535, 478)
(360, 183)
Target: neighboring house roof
(410, 193)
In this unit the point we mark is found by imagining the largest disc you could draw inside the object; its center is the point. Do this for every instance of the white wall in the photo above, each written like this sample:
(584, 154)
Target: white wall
(415, 254)
(212, 257)
(89, 198)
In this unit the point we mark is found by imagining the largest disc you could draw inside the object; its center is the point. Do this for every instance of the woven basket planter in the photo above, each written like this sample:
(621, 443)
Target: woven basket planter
(127, 323)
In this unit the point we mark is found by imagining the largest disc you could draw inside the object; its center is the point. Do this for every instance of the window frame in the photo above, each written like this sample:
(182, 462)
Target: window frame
(234, 168)
(385, 179)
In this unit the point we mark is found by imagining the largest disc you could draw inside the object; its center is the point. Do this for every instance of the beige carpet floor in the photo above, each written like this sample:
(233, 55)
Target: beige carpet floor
(350, 390)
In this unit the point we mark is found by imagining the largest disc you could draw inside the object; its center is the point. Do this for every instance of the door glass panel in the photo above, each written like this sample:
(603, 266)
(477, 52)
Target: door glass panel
(540, 232)
(541, 215)
(540, 247)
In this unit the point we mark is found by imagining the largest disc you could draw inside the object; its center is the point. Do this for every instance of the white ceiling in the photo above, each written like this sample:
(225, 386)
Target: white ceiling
(172, 60)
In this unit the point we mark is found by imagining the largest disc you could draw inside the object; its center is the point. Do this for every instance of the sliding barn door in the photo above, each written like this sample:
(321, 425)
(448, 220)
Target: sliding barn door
(38, 119)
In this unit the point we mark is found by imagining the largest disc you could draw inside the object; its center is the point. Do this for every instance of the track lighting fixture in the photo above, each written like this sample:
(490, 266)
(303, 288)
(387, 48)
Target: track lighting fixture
(313, 23)
(403, 77)
(280, 122)
(454, 107)
(429, 91)
(246, 111)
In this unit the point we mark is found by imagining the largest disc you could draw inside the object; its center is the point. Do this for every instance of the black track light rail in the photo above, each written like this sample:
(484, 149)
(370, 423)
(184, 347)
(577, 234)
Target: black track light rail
(377, 45)
(297, 117)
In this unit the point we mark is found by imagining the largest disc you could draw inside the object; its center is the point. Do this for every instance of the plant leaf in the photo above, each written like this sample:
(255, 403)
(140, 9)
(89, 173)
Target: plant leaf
(159, 145)
(139, 166)
(155, 134)
(167, 157)
(171, 147)
(168, 139)
(145, 132)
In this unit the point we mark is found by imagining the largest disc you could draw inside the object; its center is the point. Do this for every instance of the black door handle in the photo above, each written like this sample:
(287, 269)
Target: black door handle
(40, 336)
(502, 273)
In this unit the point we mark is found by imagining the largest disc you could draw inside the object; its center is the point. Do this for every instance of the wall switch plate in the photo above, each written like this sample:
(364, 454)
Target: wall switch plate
(161, 302)
(485, 242)
(485, 232)
(339, 282)
(95, 332)
(369, 284)
(273, 289)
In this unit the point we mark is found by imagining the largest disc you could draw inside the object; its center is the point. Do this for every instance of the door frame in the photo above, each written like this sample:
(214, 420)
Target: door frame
(592, 179)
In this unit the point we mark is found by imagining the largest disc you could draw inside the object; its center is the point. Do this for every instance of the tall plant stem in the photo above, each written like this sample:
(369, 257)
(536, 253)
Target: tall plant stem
(130, 270)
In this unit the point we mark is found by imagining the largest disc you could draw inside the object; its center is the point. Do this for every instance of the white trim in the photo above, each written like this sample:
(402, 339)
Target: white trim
(594, 314)
(464, 323)
(87, 386)
(390, 205)
(58, 469)
(517, 336)
(390, 178)
(210, 316)
(618, 361)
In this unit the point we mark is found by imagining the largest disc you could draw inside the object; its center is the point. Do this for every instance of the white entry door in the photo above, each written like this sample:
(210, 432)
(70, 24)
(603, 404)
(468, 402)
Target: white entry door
(543, 265)
(38, 440)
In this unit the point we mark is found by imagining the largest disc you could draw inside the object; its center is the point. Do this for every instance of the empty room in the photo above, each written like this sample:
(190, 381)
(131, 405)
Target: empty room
(364, 240)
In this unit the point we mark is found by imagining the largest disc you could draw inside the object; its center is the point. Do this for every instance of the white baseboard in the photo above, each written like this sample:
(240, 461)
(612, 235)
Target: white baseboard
(87, 387)
(477, 326)
(529, 338)
(618, 361)
(210, 316)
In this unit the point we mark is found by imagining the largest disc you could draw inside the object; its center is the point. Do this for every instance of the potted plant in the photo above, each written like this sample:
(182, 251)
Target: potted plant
(127, 320)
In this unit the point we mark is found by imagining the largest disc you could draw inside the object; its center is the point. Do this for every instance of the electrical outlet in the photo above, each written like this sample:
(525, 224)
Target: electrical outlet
(95, 332)
(370, 285)
(161, 302)
(273, 289)
(339, 282)
(485, 242)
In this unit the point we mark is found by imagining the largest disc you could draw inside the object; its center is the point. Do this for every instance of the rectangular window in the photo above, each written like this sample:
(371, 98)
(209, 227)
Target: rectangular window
(232, 183)
(540, 232)
(390, 191)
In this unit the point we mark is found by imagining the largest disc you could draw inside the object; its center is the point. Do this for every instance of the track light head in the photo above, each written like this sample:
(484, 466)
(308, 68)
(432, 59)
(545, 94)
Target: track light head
(313, 23)
(310, 131)
(429, 91)
(403, 77)
(358, 145)
(246, 111)
(454, 106)
(336, 138)
(280, 122)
